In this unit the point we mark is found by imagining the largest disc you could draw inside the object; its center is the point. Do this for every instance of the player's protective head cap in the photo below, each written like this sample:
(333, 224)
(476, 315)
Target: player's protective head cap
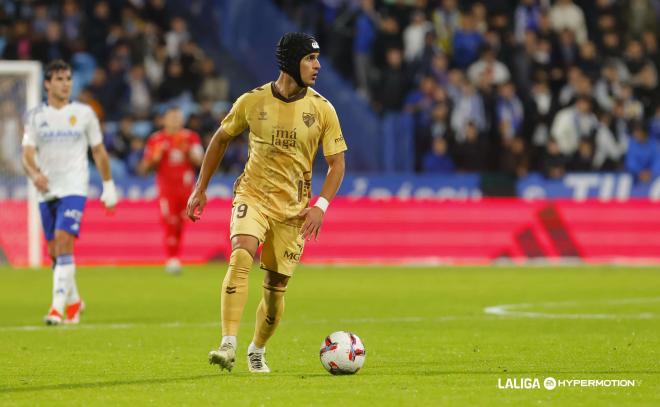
(291, 48)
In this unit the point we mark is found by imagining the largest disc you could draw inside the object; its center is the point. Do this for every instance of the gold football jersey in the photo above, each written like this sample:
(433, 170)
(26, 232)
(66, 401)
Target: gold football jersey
(283, 140)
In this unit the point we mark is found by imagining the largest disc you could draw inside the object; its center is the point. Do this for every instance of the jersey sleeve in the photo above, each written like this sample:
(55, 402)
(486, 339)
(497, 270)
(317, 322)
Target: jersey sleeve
(236, 121)
(332, 138)
(93, 129)
(196, 147)
(29, 130)
(149, 148)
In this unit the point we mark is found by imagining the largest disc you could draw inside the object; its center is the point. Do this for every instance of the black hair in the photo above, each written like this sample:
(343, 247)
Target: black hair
(55, 66)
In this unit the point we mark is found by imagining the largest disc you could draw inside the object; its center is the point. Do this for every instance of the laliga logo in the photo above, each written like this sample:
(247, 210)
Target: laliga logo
(550, 383)
(315, 45)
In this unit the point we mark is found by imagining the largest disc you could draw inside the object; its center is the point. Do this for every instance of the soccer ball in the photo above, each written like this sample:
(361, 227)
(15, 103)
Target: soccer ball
(342, 353)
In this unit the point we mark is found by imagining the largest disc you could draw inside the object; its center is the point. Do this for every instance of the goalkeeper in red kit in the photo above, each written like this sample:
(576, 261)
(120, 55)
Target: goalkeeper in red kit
(174, 153)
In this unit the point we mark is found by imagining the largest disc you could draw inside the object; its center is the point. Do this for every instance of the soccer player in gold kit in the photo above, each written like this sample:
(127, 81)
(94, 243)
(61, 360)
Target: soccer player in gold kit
(287, 120)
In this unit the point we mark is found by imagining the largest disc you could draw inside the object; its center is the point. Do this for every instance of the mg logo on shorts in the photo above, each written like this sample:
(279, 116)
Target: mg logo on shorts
(292, 256)
(73, 214)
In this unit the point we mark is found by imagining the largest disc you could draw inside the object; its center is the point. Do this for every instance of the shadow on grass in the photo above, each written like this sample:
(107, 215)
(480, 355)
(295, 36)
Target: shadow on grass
(370, 373)
(95, 385)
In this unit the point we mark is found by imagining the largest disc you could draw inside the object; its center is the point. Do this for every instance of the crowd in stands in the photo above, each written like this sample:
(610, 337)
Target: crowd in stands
(131, 60)
(504, 85)
(498, 85)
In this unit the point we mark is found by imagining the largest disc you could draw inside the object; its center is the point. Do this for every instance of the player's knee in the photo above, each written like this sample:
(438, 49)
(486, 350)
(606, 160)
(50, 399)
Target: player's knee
(63, 244)
(246, 242)
(276, 280)
(240, 263)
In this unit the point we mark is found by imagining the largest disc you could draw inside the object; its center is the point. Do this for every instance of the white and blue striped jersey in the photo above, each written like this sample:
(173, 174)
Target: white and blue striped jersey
(62, 137)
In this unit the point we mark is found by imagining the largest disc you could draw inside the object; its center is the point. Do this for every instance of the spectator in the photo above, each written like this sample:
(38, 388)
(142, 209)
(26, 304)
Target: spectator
(388, 37)
(176, 36)
(438, 160)
(139, 93)
(643, 155)
(119, 145)
(527, 16)
(214, 86)
(554, 162)
(420, 101)
(566, 15)
(608, 88)
(583, 158)
(439, 69)
(20, 45)
(509, 113)
(469, 108)
(588, 60)
(414, 36)
(573, 124)
(495, 72)
(540, 108)
(446, 21)
(466, 42)
(632, 107)
(53, 46)
(72, 20)
(470, 152)
(640, 15)
(654, 125)
(97, 30)
(608, 149)
(365, 34)
(87, 97)
(514, 159)
(174, 84)
(156, 12)
(393, 83)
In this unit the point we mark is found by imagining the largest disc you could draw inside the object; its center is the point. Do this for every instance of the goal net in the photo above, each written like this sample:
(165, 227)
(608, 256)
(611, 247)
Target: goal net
(20, 239)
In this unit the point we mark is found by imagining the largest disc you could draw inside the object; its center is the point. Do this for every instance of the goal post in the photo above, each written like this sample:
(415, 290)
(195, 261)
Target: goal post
(20, 90)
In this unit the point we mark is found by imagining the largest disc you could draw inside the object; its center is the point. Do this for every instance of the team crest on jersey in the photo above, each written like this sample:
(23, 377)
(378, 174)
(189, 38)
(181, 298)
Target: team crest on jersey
(73, 120)
(308, 119)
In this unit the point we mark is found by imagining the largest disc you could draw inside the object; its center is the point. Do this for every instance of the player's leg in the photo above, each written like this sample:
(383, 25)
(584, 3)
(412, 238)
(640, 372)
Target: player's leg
(67, 229)
(171, 228)
(48, 212)
(280, 256)
(248, 228)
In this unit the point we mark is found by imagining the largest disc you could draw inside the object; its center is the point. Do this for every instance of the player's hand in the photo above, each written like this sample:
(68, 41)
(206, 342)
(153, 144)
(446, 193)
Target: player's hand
(312, 225)
(196, 204)
(109, 195)
(40, 182)
(157, 154)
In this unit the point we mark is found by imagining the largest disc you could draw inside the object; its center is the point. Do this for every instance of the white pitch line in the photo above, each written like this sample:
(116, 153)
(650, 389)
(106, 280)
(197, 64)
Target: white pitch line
(514, 310)
(177, 324)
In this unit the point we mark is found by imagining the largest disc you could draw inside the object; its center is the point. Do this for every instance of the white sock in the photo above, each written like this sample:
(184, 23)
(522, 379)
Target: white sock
(59, 290)
(253, 349)
(229, 339)
(73, 296)
(62, 278)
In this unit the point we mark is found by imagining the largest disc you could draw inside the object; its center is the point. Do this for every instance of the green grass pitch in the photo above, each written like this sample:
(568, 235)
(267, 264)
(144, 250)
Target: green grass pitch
(145, 337)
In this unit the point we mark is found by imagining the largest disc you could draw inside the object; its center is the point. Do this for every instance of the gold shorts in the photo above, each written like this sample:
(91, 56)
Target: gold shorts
(282, 243)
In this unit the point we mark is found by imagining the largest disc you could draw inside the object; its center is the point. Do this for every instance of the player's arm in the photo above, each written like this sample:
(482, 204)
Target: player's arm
(32, 170)
(153, 153)
(314, 215)
(196, 152)
(210, 162)
(102, 161)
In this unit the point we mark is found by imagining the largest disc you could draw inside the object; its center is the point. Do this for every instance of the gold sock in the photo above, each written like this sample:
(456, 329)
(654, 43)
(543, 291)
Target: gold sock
(269, 314)
(235, 291)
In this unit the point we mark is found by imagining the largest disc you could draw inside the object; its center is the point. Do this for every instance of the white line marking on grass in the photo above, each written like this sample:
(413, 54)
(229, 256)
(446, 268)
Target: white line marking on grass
(177, 324)
(515, 310)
